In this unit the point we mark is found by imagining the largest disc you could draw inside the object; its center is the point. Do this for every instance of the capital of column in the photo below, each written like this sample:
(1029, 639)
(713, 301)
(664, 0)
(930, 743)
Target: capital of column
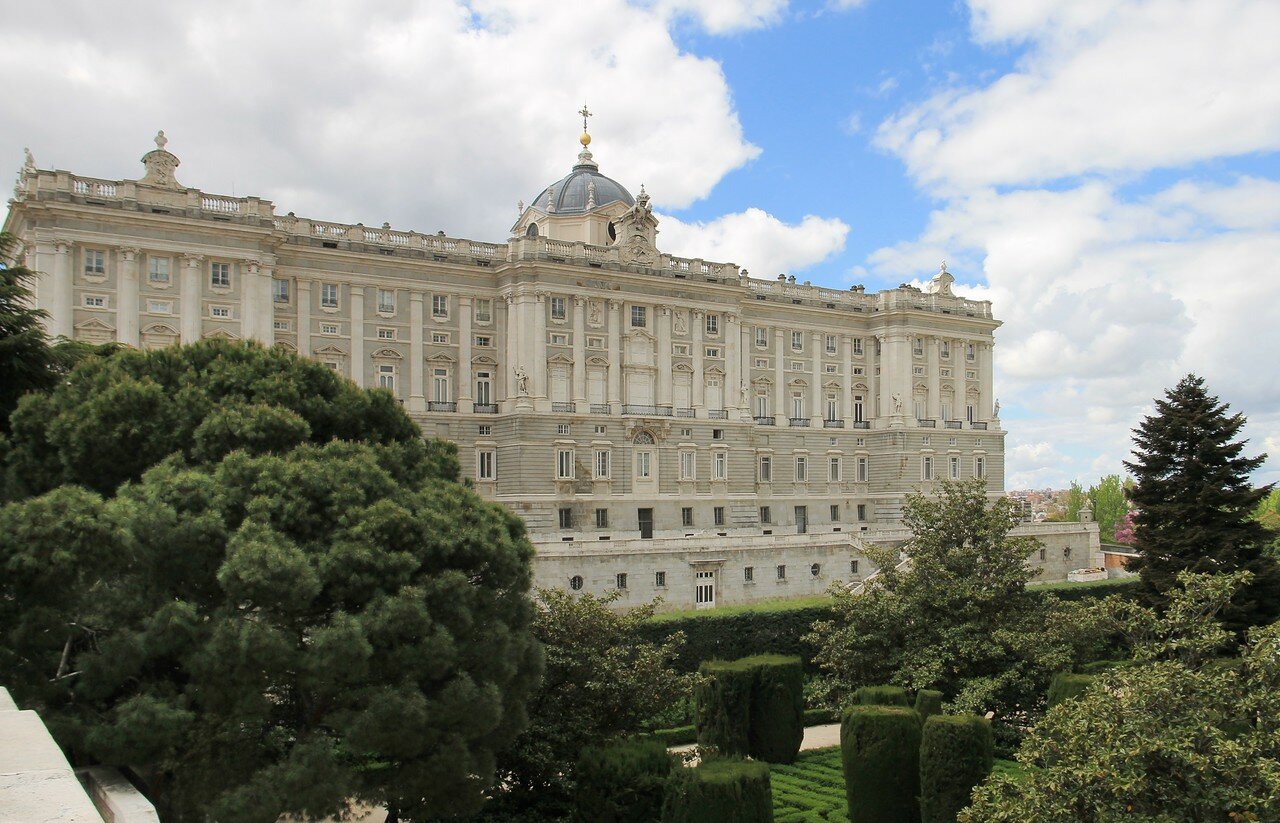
(698, 314)
(130, 253)
(540, 296)
(61, 245)
(664, 310)
(465, 299)
(193, 260)
(579, 301)
(251, 266)
(508, 298)
(614, 304)
(415, 297)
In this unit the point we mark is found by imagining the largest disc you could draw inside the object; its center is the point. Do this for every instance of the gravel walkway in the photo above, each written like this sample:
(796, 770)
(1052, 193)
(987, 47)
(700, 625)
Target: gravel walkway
(815, 737)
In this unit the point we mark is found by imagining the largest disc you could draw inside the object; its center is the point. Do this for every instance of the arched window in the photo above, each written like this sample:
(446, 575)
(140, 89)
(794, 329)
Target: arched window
(532, 231)
(575, 582)
(643, 439)
(815, 570)
(612, 231)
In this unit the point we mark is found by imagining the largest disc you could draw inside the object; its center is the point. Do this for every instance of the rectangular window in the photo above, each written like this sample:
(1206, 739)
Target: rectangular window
(955, 468)
(279, 290)
(564, 464)
(621, 580)
(831, 344)
(862, 511)
(835, 512)
(220, 312)
(328, 296)
(968, 352)
(713, 352)
(558, 310)
(719, 466)
(439, 305)
(159, 306)
(862, 469)
(644, 469)
(802, 469)
(602, 464)
(766, 470)
(833, 470)
(386, 301)
(595, 342)
(717, 434)
(328, 328)
(853, 567)
(386, 334)
(639, 317)
(917, 346)
(220, 275)
(95, 301)
(748, 574)
(601, 429)
(158, 269)
(979, 467)
(439, 337)
(762, 363)
(802, 519)
(946, 350)
(688, 463)
(926, 468)
(602, 518)
(797, 340)
(857, 346)
(563, 428)
(765, 515)
(484, 310)
(484, 389)
(484, 341)
(485, 431)
(762, 337)
(659, 580)
(559, 339)
(95, 261)
(717, 515)
(782, 572)
(485, 465)
(440, 385)
(387, 376)
(686, 516)
(566, 518)
(713, 324)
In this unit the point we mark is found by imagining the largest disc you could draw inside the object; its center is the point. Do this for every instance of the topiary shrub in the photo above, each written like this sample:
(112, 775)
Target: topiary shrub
(880, 750)
(928, 703)
(1067, 686)
(721, 790)
(882, 696)
(777, 709)
(753, 706)
(622, 782)
(956, 754)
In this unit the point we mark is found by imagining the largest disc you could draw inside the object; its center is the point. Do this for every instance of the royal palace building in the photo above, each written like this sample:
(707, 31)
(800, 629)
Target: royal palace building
(665, 426)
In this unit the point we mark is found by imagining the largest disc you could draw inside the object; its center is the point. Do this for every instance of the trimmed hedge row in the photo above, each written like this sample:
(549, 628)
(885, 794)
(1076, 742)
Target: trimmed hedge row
(880, 749)
(682, 735)
(956, 754)
(721, 790)
(712, 636)
(622, 783)
(753, 706)
(1067, 686)
(881, 696)
(928, 703)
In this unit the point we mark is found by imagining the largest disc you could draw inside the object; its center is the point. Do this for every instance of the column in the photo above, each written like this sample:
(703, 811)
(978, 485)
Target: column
(417, 394)
(846, 380)
(189, 293)
(985, 379)
(780, 409)
(933, 371)
(817, 412)
(698, 318)
(873, 380)
(127, 298)
(662, 389)
(357, 334)
(513, 350)
(961, 372)
(304, 318)
(266, 306)
(735, 349)
(538, 351)
(615, 356)
(466, 388)
(249, 270)
(62, 312)
(580, 354)
(896, 373)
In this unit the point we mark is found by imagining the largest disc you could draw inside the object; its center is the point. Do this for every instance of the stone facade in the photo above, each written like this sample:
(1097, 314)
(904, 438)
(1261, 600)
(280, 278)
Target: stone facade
(607, 392)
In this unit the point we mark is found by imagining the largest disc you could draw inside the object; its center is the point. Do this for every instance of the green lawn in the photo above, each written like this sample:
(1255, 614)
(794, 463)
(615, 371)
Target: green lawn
(811, 790)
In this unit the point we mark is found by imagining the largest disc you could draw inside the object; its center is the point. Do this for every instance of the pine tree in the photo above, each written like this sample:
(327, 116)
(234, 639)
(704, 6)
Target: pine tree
(1194, 502)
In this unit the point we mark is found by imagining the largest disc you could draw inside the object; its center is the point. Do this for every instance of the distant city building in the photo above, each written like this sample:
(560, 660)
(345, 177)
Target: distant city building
(664, 425)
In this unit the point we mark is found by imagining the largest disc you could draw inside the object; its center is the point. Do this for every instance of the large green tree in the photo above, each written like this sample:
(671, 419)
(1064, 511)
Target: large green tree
(1177, 735)
(1195, 501)
(1109, 505)
(603, 681)
(957, 617)
(283, 599)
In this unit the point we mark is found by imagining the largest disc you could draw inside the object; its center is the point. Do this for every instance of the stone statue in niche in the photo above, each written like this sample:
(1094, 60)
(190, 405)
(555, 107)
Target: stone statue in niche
(897, 403)
(594, 314)
(522, 381)
(996, 411)
(681, 325)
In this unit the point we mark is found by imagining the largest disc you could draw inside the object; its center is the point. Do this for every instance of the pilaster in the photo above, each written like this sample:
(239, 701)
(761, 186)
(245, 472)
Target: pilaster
(580, 354)
(664, 378)
(816, 411)
(780, 410)
(615, 356)
(127, 298)
(304, 318)
(699, 321)
(62, 313)
(933, 372)
(189, 294)
(417, 391)
(357, 334)
(466, 387)
(539, 348)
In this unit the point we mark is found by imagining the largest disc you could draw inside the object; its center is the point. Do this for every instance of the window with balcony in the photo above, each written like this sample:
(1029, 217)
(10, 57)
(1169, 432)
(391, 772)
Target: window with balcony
(484, 310)
(713, 324)
(564, 464)
(486, 464)
(639, 317)
(762, 338)
(386, 301)
(558, 309)
(95, 262)
(766, 470)
(440, 305)
(328, 296)
(220, 275)
(797, 340)
(158, 269)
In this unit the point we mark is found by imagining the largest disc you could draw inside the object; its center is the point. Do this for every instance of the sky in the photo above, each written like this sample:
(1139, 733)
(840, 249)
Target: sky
(1104, 171)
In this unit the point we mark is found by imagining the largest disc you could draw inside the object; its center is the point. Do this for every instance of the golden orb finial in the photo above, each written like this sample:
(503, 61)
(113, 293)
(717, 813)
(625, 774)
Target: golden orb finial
(585, 139)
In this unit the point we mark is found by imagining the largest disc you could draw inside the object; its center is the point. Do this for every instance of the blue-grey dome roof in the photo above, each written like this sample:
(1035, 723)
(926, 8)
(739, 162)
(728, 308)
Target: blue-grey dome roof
(569, 194)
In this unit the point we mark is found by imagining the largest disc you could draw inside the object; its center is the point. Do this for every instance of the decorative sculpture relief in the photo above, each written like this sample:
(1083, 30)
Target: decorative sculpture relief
(681, 324)
(160, 165)
(594, 314)
(896, 399)
(522, 381)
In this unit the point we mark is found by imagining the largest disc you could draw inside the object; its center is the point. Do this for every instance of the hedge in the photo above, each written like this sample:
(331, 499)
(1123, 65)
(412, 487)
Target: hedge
(682, 735)
(720, 790)
(880, 750)
(956, 754)
(928, 703)
(622, 782)
(715, 636)
(881, 696)
(1067, 686)
(753, 706)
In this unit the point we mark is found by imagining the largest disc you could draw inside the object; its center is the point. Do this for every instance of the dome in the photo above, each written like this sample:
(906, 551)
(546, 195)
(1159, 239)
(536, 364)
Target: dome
(570, 193)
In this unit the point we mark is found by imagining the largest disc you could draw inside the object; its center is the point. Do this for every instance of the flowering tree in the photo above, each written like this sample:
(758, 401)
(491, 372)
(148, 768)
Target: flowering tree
(1124, 529)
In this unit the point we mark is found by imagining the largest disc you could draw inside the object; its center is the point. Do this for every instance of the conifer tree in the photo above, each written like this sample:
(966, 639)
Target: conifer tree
(1194, 502)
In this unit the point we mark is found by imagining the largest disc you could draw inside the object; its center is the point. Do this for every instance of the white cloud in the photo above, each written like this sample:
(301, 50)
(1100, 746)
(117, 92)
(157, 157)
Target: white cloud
(430, 116)
(726, 16)
(1105, 86)
(756, 240)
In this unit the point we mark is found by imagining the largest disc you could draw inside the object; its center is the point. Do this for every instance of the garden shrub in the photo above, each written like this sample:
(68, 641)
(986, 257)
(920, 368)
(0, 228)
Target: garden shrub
(719, 790)
(928, 702)
(820, 717)
(956, 754)
(1067, 686)
(882, 696)
(677, 735)
(622, 782)
(723, 705)
(777, 709)
(880, 749)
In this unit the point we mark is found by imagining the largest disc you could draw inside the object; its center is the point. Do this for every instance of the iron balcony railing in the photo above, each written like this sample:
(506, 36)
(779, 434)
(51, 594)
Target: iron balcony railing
(954, 424)
(654, 411)
(928, 424)
(600, 408)
(441, 406)
(686, 412)
(833, 424)
(718, 414)
(862, 424)
(975, 424)
(557, 406)
(765, 421)
(798, 421)
(486, 408)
